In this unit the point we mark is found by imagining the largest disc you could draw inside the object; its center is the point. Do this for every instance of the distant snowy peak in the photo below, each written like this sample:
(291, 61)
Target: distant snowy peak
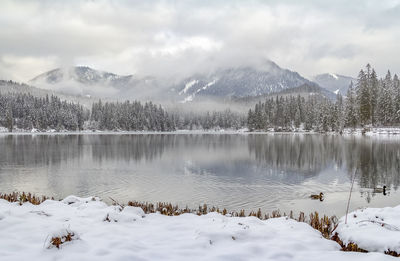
(239, 82)
(335, 83)
(80, 74)
(334, 76)
(83, 81)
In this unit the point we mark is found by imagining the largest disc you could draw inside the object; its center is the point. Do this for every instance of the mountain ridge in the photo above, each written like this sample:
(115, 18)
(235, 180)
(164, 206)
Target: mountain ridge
(222, 83)
(333, 82)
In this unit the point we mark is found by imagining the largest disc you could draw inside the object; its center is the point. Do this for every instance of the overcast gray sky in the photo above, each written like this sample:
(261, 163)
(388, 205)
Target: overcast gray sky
(183, 37)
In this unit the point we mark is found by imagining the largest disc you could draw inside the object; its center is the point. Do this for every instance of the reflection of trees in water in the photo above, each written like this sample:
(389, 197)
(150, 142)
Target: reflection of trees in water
(379, 163)
(304, 154)
(379, 160)
(52, 149)
(30, 150)
(129, 147)
(152, 146)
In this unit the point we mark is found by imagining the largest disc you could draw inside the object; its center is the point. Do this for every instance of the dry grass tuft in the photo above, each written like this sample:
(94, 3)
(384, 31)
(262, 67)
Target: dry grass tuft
(392, 253)
(326, 225)
(23, 197)
(349, 247)
(58, 241)
(353, 247)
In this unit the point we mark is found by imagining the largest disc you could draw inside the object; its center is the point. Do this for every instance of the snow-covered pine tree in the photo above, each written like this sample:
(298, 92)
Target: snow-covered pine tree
(350, 109)
(396, 89)
(385, 105)
(374, 93)
(363, 97)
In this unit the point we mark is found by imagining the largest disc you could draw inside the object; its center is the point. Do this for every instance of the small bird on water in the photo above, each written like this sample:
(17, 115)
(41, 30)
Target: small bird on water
(380, 190)
(320, 196)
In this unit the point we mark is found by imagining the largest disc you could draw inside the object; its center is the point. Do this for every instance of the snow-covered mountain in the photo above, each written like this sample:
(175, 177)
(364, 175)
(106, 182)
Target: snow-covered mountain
(82, 74)
(223, 83)
(239, 82)
(85, 81)
(335, 83)
(305, 90)
(82, 80)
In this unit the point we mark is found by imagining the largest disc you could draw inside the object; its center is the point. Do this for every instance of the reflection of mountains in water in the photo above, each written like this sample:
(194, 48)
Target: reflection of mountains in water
(292, 158)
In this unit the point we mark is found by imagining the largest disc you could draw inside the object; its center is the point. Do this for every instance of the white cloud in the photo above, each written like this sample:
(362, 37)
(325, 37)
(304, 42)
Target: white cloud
(183, 37)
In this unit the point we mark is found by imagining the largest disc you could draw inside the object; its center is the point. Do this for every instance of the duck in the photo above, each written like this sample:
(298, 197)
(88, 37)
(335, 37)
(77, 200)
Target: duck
(380, 190)
(320, 196)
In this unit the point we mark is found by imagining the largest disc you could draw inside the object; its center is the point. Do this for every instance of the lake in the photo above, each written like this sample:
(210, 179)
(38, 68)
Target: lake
(235, 171)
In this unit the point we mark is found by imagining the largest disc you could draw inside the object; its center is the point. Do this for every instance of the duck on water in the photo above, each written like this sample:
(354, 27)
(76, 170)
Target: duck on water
(380, 190)
(319, 196)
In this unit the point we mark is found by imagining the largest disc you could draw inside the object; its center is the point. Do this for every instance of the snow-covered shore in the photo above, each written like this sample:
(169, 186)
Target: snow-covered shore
(103, 232)
(381, 131)
(372, 229)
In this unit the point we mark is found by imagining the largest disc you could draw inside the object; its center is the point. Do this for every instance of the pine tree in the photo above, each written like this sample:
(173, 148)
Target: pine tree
(373, 87)
(350, 110)
(396, 89)
(9, 120)
(363, 97)
(385, 105)
(339, 113)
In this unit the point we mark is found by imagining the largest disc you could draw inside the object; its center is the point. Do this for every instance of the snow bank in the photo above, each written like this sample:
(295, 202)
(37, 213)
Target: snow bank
(372, 229)
(102, 232)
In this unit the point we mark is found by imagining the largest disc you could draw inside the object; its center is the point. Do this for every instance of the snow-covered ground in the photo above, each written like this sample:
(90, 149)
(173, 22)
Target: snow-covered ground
(96, 132)
(103, 232)
(372, 229)
(374, 131)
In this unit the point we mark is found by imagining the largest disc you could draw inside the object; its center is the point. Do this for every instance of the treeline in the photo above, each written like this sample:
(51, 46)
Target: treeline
(374, 102)
(134, 116)
(210, 120)
(371, 102)
(130, 116)
(26, 111)
(286, 113)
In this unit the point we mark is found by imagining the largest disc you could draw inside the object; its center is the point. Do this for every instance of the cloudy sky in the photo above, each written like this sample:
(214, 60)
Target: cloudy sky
(183, 37)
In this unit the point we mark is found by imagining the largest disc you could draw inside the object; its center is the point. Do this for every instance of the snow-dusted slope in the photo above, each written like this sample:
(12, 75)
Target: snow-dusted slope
(85, 81)
(239, 82)
(82, 80)
(14, 87)
(222, 83)
(335, 83)
(81, 74)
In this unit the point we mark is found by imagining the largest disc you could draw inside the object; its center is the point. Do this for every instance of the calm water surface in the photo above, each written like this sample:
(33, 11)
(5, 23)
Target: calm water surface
(266, 171)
